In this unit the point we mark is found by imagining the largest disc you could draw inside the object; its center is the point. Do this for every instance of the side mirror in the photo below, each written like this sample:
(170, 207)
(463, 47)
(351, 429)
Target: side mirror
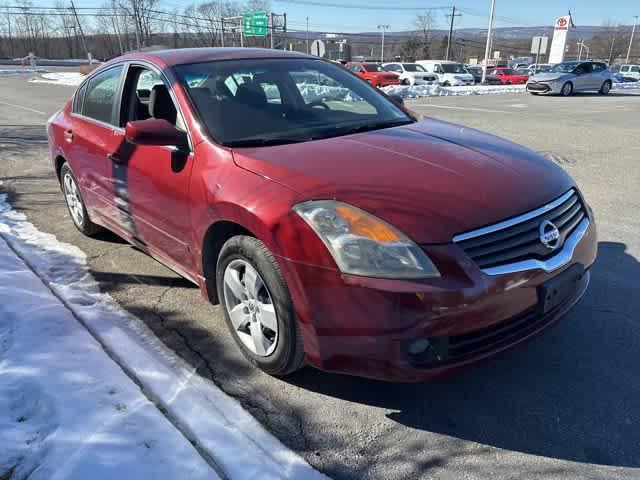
(397, 99)
(155, 131)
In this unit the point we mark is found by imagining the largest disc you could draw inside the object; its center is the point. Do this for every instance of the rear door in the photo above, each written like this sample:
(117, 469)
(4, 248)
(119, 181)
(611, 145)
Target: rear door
(95, 134)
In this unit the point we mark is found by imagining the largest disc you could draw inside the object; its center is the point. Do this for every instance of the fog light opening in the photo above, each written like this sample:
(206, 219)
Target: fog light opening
(418, 347)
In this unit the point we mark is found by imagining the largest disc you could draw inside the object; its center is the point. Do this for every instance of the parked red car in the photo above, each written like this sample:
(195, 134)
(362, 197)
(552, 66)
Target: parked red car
(374, 74)
(508, 76)
(332, 226)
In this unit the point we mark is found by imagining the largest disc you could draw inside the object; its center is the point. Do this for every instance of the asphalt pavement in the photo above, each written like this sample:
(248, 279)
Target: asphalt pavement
(566, 405)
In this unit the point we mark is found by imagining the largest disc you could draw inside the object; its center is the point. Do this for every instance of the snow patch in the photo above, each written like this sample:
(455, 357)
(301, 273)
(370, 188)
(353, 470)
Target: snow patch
(60, 78)
(67, 411)
(217, 422)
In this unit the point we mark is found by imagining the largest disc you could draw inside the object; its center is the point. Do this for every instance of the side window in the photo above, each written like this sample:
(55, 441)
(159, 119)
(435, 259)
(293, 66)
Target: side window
(599, 67)
(272, 91)
(635, 69)
(436, 68)
(78, 99)
(101, 95)
(625, 68)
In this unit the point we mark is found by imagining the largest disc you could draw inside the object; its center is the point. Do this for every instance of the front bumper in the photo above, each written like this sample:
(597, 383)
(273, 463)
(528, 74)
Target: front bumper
(364, 326)
(548, 88)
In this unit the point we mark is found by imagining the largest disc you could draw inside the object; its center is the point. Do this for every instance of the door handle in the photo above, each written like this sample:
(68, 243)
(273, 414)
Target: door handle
(68, 136)
(114, 158)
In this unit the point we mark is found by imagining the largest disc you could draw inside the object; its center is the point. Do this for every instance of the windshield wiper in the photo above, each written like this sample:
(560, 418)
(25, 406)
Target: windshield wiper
(264, 142)
(367, 127)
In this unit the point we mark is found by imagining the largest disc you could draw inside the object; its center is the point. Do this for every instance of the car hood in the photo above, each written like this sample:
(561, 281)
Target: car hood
(431, 179)
(547, 77)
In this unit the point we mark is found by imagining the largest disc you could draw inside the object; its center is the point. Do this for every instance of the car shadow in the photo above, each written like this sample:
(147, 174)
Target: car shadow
(572, 393)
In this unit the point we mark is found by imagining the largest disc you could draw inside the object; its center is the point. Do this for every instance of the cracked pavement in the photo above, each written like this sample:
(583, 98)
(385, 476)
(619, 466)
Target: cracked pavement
(566, 405)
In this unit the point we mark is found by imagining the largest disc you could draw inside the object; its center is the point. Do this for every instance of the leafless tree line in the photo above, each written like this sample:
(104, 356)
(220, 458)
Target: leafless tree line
(114, 28)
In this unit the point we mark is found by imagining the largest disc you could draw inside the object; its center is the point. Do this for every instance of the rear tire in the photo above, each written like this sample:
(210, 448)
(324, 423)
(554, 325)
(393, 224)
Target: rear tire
(75, 203)
(567, 89)
(264, 326)
(605, 88)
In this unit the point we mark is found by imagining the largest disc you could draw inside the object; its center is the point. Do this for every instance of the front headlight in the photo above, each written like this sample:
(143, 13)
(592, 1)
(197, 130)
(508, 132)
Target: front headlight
(362, 244)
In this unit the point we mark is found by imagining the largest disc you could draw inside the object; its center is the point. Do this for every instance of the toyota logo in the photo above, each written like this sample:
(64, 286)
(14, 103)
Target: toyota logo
(549, 235)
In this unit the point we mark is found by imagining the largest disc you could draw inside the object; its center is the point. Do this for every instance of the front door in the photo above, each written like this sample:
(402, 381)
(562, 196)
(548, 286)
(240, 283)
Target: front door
(151, 183)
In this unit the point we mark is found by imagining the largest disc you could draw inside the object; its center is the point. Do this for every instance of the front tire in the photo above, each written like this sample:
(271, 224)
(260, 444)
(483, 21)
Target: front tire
(75, 203)
(567, 89)
(605, 88)
(257, 306)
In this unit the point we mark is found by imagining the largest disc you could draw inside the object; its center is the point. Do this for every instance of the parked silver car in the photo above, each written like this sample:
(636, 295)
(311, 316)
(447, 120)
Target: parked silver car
(570, 77)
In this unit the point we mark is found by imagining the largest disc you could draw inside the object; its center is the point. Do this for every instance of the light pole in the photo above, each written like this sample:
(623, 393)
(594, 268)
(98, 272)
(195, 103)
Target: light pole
(383, 28)
(633, 31)
(307, 35)
(488, 45)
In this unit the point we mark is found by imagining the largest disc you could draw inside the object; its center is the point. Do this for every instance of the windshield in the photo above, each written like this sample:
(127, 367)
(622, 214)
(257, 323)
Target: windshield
(453, 68)
(261, 102)
(372, 67)
(413, 67)
(565, 67)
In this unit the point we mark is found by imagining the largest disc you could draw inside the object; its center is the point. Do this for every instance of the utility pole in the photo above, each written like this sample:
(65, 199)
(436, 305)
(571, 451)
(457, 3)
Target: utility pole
(84, 43)
(284, 32)
(222, 32)
(613, 42)
(449, 38)
(633, 31)
(271, 29)
(581, 45)
(307, 35)
(487, 47)
(383, 28)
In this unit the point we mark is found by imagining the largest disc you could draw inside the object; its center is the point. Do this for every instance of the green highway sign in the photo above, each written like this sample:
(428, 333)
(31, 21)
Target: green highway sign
(254, 24)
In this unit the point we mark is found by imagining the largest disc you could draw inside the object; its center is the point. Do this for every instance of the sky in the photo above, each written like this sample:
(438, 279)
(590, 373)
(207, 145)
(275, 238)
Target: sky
(474, 13)
(366, 15)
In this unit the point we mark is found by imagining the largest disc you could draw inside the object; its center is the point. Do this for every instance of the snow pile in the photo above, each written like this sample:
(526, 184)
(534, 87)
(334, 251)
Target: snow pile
(10, 72)
(406, 91)
(625, 85)
(67, 411)
(58, 411)
(60, 78)
(415, 91)
(313, 92)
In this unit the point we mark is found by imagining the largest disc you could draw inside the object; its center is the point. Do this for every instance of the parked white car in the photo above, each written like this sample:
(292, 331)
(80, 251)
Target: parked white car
(449, 73)
(411, 73)
(631, 71)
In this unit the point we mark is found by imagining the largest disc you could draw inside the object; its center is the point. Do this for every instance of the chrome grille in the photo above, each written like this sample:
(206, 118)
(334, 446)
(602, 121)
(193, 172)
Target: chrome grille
(518, 239)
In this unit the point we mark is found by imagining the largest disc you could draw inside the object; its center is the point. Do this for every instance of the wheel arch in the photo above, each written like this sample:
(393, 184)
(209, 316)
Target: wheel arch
(58, 163)
(214, 238)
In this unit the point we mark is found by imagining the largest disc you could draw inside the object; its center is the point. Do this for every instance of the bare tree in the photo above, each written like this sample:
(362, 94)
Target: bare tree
(425, 23)
(141, 13)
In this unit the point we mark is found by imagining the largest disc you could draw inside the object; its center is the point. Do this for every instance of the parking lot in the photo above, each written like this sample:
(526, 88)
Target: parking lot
(567, 405)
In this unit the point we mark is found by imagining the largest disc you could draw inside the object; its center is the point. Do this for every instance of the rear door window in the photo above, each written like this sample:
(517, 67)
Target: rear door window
(101, 95)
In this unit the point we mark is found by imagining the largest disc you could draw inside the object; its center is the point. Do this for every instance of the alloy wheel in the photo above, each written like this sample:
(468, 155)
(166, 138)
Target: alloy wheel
(250, 307)
(74, 201)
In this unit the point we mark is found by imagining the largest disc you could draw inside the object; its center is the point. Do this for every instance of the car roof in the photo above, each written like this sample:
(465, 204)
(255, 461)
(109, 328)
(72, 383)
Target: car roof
(181, 56)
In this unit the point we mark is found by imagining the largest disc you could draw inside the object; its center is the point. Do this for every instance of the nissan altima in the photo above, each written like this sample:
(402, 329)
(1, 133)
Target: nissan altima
(333, 227)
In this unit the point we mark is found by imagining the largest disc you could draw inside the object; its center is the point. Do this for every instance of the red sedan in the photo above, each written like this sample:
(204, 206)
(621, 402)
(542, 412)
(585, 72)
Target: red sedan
(374, 74)
(508, 76)
(333, 227)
